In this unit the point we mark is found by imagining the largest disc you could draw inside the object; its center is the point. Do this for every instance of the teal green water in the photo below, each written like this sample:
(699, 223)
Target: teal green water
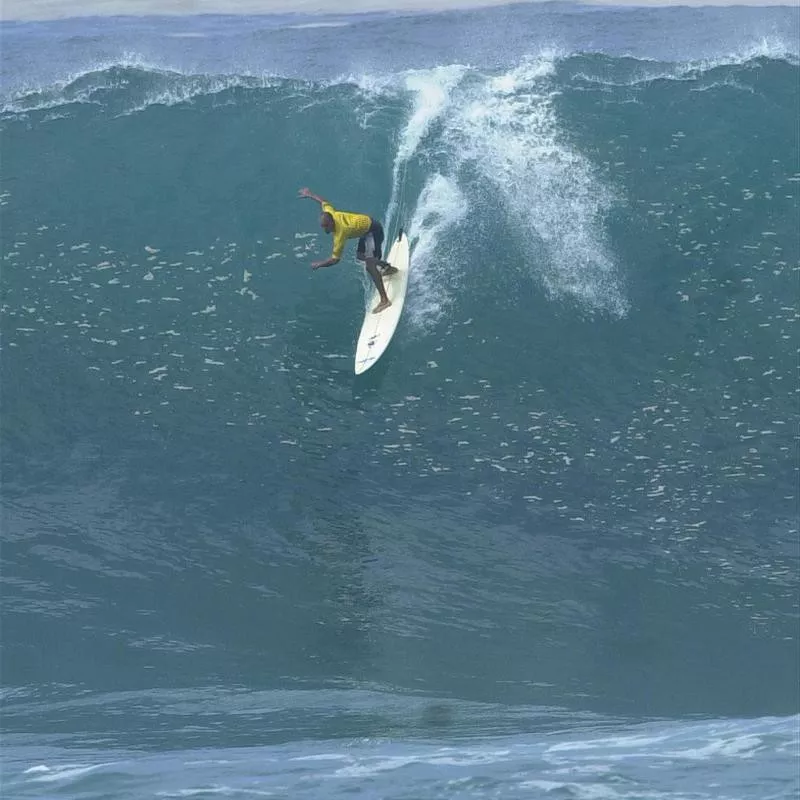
(548, 547)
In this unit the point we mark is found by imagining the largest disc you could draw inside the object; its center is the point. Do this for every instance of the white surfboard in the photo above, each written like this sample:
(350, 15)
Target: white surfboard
(378, 329)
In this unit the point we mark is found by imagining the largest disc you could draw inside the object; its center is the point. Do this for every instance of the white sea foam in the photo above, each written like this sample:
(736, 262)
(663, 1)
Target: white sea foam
(507, 128)
(432, 90)
(440, 206)
(304, 25)
(63, 772)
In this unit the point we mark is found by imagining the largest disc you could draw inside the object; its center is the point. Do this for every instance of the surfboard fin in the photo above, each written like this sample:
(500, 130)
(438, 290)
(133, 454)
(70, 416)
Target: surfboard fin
(400, 233)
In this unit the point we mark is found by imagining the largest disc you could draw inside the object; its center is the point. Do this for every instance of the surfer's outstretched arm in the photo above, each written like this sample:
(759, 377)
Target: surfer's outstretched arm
(306, 192)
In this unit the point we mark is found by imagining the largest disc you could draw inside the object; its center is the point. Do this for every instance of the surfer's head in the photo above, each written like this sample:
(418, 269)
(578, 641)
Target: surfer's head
(326, 221)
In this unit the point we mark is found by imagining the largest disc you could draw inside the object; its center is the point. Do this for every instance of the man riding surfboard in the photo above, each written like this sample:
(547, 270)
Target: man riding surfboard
(346, 225)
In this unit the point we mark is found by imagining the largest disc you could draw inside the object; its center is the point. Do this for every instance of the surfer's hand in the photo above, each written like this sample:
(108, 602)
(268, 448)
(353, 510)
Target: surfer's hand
(317, 264)
(304, 192)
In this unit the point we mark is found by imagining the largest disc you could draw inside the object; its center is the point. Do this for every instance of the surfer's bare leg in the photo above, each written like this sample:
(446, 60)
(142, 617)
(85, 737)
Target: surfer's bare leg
(374, 273)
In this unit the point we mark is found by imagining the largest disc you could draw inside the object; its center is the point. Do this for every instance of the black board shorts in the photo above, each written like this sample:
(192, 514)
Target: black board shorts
(371, 242)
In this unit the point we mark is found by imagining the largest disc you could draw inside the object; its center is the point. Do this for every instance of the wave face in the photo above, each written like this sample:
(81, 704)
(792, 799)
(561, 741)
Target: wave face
(550, 539)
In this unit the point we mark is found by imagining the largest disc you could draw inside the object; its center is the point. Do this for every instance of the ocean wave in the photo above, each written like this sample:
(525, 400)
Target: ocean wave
(128, 85)
(457, 137)
(605, 71)
(165, 84)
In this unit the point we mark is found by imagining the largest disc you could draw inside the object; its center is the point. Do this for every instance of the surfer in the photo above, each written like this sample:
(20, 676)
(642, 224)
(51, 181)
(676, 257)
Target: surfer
(346, 225)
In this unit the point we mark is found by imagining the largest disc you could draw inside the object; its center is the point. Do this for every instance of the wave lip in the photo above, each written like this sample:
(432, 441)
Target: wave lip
(165, 83)
(432, 93)
(128, 86)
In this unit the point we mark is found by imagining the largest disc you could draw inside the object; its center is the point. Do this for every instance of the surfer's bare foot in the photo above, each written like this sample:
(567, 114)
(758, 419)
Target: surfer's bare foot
(387, 271)
(384, 304)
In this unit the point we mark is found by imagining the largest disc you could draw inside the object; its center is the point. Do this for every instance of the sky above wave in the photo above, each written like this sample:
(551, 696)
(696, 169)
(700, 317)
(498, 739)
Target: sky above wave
(55, 9)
